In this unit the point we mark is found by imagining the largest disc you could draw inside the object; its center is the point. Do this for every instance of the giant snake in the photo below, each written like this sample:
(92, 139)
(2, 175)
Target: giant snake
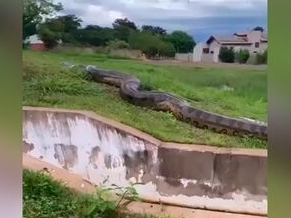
(130, 90)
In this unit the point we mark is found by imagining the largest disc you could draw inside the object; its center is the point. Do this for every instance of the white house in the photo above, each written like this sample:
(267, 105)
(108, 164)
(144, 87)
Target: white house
(254, 41)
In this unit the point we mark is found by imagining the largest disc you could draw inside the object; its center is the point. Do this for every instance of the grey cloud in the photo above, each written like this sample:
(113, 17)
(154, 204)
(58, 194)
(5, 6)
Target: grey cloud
(259, 7)
(200, 14)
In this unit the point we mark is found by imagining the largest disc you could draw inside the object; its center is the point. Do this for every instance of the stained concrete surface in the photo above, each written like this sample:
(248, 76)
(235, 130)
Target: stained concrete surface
(106, 152)
(76, 182)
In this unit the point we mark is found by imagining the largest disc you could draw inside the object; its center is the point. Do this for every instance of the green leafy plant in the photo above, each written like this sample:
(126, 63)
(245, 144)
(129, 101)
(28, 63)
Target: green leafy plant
(117, 44)
(102, 204)
(226, 54)
(242, 56)
(261, 58)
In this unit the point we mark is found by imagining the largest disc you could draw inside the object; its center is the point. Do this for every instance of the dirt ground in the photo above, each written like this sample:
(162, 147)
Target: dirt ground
(76, 182)
(200, 64)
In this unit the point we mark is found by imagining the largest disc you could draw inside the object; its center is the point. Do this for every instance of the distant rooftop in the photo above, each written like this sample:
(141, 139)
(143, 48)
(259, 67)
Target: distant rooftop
(236, 38)
(228, 39)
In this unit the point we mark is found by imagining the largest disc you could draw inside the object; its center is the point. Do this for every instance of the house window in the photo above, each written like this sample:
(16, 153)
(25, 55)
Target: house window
(212, 52)
(255, 52)
(205, 50)
(257, 44)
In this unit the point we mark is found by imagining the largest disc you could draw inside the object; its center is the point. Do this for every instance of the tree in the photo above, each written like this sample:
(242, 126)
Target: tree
(151, 45)
(93, 27)
(182, 42)
(258, 28)
(33, 12)
(59, 28)
(226, 55)
(50, 32)
(123, 28)
(117, 44)
(166, 49)
(118, 23)
(68, 24)
(94, 36)
(155, 30)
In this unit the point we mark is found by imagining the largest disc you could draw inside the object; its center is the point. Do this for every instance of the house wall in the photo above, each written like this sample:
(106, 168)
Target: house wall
(215, 54)
(214, 47)
(255, 36)
(197, 52)
(212, 56)
(214, 44)
(207, 58)
(263, 46)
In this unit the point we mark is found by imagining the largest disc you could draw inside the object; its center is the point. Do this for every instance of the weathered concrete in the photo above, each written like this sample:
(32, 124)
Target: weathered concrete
(76, 182)
(104, 151)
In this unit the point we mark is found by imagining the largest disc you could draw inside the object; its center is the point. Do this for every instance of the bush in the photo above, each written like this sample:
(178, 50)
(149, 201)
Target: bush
(117, 44)
(261, 58)
(226, 55)
(166, 49)
(242, 56)
(151, 45)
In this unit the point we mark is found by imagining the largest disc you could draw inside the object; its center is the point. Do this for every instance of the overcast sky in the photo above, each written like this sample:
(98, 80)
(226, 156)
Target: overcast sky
(200, 18)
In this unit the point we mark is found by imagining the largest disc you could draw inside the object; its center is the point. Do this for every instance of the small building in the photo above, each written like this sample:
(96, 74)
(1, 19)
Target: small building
(254, 41)
(35, 44)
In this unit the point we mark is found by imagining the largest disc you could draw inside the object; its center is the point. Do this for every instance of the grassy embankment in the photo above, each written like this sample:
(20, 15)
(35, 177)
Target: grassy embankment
(236, 93)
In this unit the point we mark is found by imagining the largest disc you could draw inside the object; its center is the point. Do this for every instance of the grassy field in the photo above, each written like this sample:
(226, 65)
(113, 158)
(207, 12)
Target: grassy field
(236, 93)
(44, 197)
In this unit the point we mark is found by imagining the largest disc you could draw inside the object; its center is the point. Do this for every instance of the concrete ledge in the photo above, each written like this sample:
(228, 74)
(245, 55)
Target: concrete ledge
(76, 182)
(196, 176)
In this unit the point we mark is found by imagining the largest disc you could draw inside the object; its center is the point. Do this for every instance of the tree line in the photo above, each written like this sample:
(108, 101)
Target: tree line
(151, 40)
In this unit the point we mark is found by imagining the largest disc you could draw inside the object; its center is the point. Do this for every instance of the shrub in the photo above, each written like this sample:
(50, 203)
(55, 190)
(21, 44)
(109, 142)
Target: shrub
(261, 58)
(117, 44)
(242, 56)
(226, 55)
(166, 49)
(151, 45)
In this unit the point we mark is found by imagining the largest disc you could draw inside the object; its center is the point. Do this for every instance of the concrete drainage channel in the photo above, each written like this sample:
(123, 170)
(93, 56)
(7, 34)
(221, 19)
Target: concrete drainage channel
(192, 176)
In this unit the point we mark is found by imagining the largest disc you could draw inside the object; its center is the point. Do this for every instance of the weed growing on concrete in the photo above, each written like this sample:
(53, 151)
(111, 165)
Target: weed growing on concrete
(44, 197)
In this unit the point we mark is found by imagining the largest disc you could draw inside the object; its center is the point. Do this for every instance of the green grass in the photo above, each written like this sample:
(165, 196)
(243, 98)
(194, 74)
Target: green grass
(46, 83)
(45, 197)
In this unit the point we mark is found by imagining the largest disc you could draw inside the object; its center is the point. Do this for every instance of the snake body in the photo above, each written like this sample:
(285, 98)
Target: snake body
(130, 90)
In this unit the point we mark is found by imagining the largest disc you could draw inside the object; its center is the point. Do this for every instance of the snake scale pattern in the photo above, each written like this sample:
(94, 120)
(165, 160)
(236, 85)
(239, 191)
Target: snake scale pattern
(130, 90)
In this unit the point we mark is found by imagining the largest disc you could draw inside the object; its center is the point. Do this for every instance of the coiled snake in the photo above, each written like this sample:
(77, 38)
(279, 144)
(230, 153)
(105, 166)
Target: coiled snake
(129, 90)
